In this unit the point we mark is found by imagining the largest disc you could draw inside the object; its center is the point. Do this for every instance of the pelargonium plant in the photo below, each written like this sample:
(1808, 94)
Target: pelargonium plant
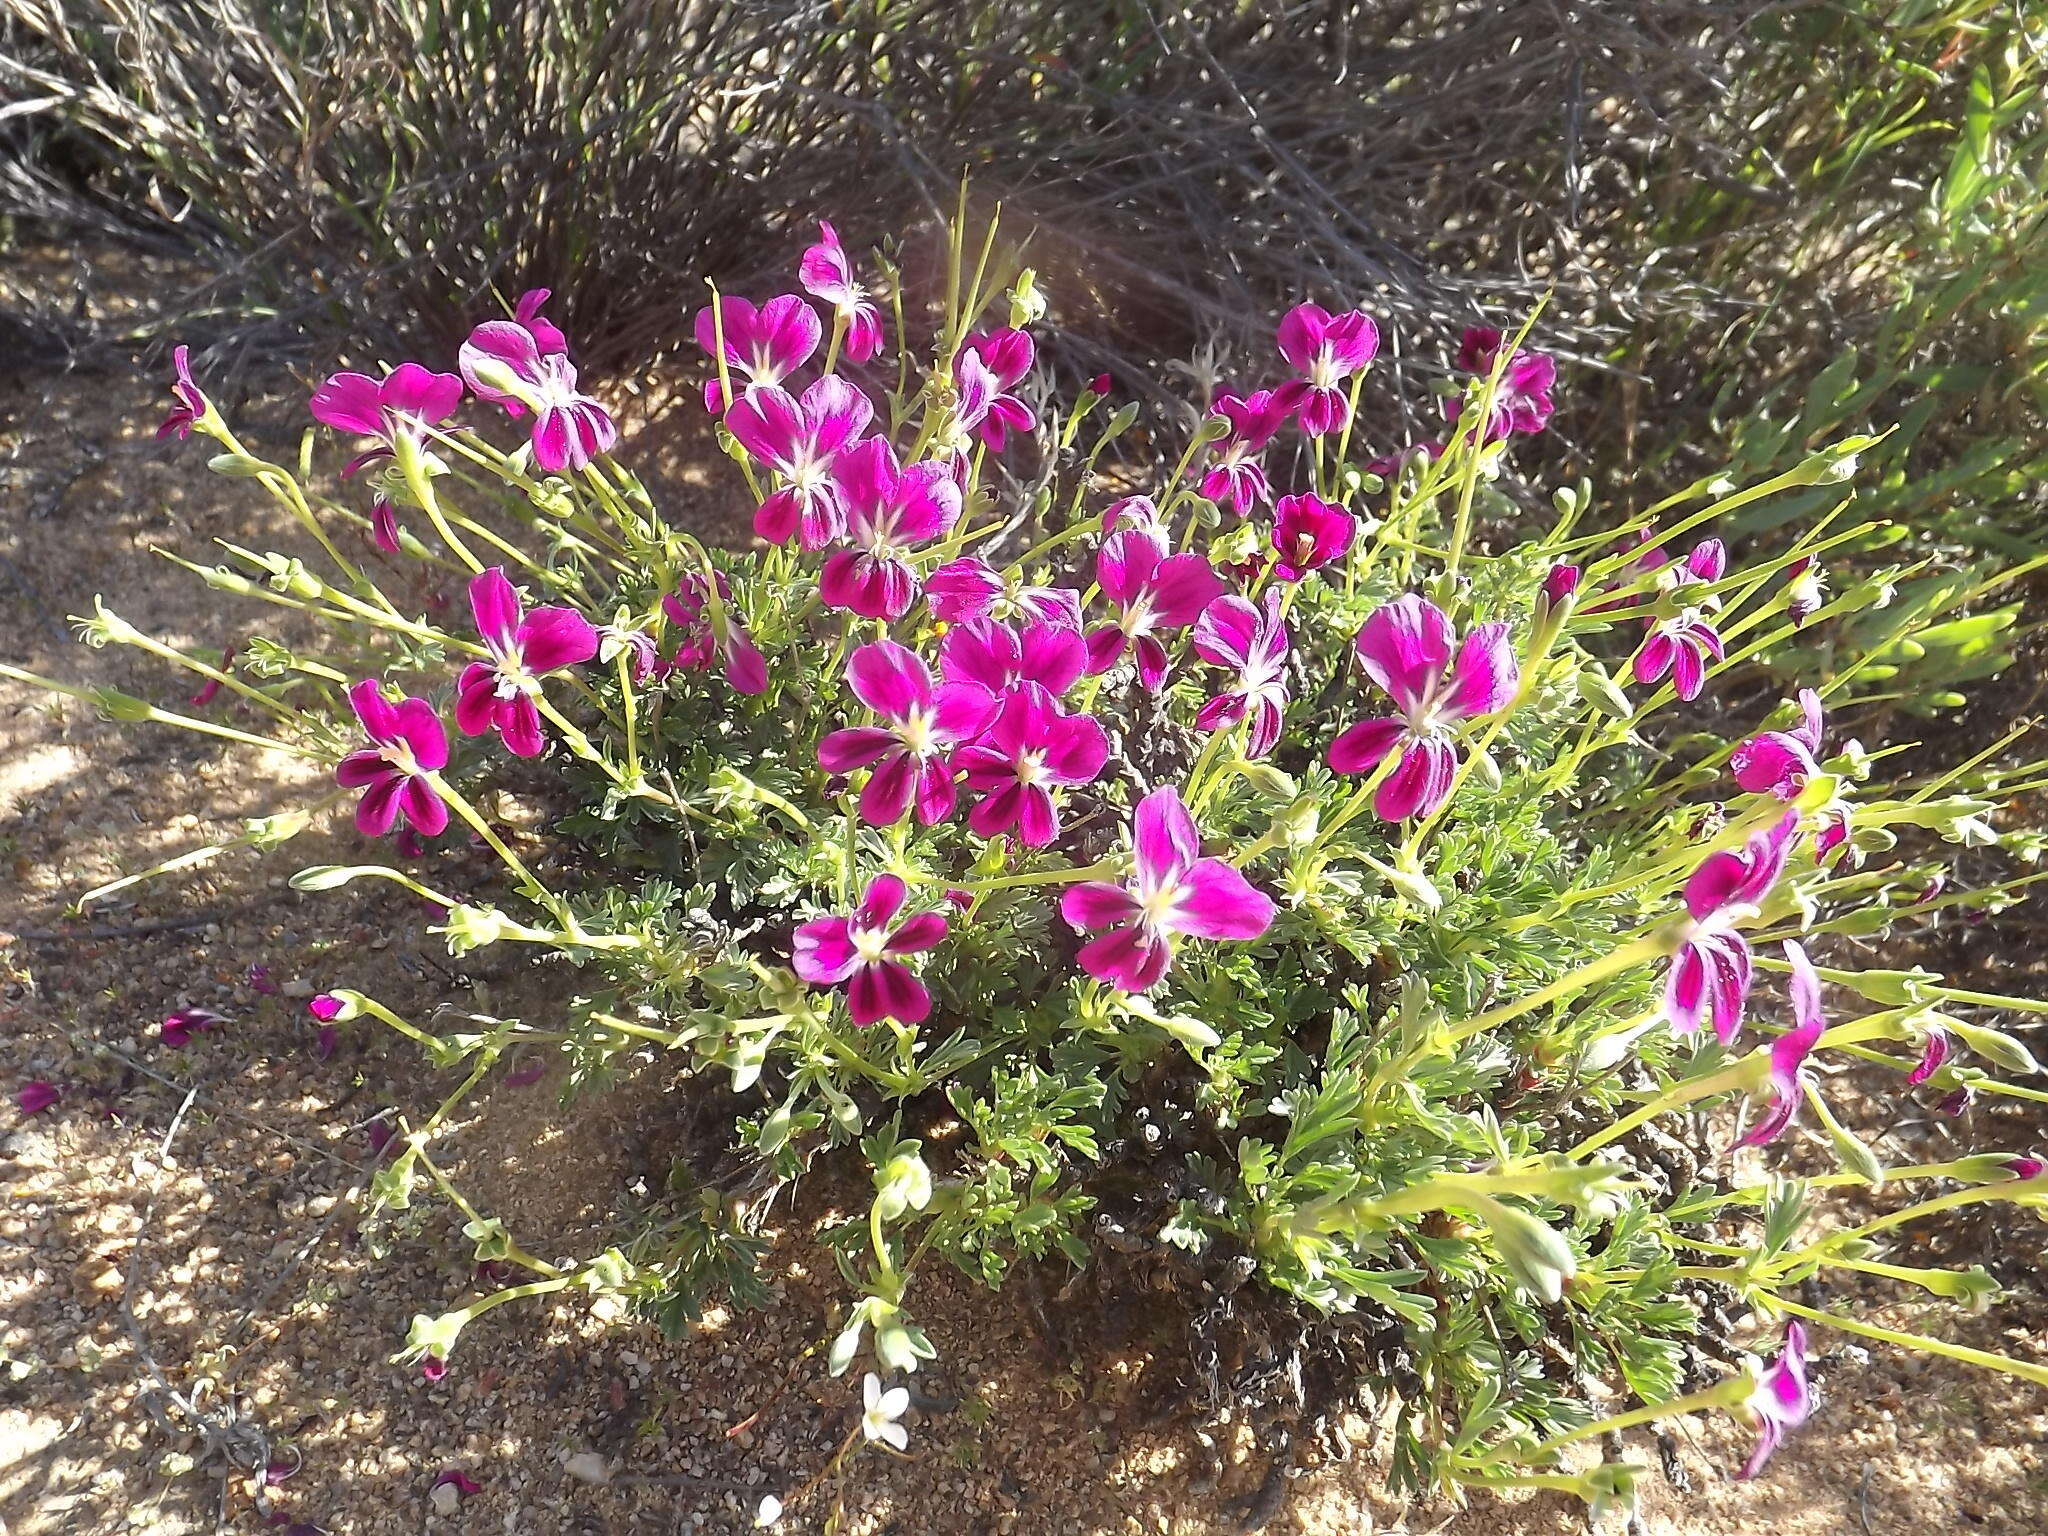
(1301, 862)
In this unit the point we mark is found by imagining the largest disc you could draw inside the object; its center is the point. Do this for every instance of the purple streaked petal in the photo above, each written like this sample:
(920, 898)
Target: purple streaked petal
(885, 798)
(1217, 902)
(553, 637)
(887, 990)
(822, 950)
(422, 807)
(1097, 904)
(935, 791)
(1485, 675)
(421, 393)
(348, 402)
(1150, 656)
(495, 603)
(1360, 748)
(855, 747)
(1405, 647)
(415, 723)
(890, 679)
(1127, 958)
(881, 902)
(1163, 836)
(1420, 783)
(917, 933)
(380, 720)
(1126, 564)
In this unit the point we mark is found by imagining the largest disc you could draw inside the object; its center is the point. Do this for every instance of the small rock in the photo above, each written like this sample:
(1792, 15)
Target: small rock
(298, 986)
(446, 1498)
(588, 1467)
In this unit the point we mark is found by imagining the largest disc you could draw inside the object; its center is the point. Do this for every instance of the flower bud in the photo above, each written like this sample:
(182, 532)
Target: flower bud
(221, 579)
(902, 1184)
(1855, 1158)
(1121, 422)
(468, 928)
(1540, 1260)
(1273, 783)
(116, 705)
(1995, 1046)
(1596, 688)
(239, 466)
(1485, 769)
(1561, 583)
(1299, 822)
(1998, 1167)
(1027, 304)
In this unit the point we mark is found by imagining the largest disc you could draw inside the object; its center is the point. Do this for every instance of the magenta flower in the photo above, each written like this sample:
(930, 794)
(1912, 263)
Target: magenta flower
(210, 689)
(403, 404)
(858, 950)
(826, 274)
(326, 1007)
(1138, 512)
(1679, 647)
(545, 333)
(407, 743)
(888, 511)
(503, 363)
(1006, 355)
(643, 658)
(191, 406)
(384, 524)
(1934, 1054)
(498, 694)
(703, 638)
(2025, 1166)
(1790, 1050)
(1406, 648)
(1780, 762)
(767, 344)
(1559, 583)
(1521, 400)
(1153, 591)
(1171, 890)
(1232, 633)
(464, 1483)
(1804, 589)
(1309, 533)
(910, 755)
(800, 441)
(971, 588)
(36, 1095)
(1005, 658)
(1780, 1402)
(1236, 476)
(178, 1028)
(1710, 971)
(1029, 748)
(1326, 350)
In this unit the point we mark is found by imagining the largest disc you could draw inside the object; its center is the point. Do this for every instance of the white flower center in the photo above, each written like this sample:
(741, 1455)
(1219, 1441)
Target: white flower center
(916, 733)
(1156, 907)
(1030, 768)
(870, 944)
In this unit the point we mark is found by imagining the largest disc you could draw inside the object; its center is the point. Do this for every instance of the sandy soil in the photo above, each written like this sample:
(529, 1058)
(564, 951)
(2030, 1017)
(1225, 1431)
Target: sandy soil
(183, 1296)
